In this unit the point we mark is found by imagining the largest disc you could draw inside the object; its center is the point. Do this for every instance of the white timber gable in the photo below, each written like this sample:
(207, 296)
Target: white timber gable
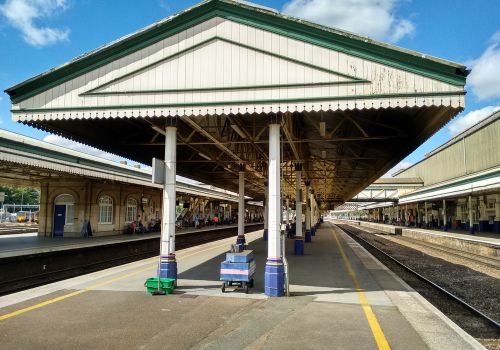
(220, 66)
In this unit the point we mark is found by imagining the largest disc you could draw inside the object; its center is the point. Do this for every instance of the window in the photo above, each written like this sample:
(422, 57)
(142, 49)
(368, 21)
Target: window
(69, 202)
(105, 210)
(131, 213)
(70, 214)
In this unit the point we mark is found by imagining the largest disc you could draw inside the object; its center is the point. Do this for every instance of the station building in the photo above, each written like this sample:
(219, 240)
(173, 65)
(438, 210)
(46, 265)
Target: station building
(242, 97)
(456, 186)
(77, 188)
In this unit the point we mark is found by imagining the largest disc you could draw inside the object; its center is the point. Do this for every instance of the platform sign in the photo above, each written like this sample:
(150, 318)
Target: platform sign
(158, 171)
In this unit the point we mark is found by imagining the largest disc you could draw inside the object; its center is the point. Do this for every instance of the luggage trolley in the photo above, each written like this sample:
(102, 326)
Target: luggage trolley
(238, 268)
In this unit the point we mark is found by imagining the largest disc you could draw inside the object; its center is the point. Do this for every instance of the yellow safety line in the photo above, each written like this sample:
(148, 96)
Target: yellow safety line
(92, 287)
(378, 334)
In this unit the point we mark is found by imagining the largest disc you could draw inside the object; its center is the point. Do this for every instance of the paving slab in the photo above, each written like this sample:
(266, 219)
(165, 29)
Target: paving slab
(111, 310)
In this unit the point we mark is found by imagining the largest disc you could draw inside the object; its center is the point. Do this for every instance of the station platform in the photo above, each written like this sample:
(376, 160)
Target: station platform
(341, 298)
(31, 243)
(484, 244)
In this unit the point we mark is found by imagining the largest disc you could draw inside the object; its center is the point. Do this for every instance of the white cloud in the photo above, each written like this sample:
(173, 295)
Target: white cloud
(22, 14)
(398, 167)
(60, 141)
(471, 118)
(484, 76)
(374, 18)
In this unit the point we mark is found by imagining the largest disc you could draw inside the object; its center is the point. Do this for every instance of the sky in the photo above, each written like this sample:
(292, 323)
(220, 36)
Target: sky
(36, 35)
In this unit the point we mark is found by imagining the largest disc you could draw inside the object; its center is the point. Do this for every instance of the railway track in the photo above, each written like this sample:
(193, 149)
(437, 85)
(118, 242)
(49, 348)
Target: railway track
(483, 325)
(88, 264)
(491, 262)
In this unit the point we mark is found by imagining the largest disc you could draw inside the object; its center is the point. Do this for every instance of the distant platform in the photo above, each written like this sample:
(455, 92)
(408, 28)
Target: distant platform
(478, 237)
(25, 244)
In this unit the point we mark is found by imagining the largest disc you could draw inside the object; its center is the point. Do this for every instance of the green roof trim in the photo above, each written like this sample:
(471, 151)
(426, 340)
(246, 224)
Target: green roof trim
(60, 156)
(241, 102)
(257, 17)
(452, 184)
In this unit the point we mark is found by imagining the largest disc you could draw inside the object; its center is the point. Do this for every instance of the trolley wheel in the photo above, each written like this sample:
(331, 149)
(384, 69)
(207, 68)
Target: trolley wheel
(246, 288)
(251, 283)
(223, 288)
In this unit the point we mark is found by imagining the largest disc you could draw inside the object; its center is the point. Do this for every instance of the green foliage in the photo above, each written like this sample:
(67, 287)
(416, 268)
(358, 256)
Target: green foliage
(14, 195)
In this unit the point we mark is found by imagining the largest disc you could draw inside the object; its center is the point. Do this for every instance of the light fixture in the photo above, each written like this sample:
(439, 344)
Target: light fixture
(239, 131)
(203, 155)
(322, 129)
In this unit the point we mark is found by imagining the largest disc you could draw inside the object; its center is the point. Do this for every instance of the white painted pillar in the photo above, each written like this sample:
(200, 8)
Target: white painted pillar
(274, 278)
(471, 223)
(407, 217)
(445, 223)
(298, 201)
(266, 212)
(308, 206)
(274, 246)
(168, 264)
(496, 223)
(287, 211)
(425, 213)
(241, 205)
(497, 207)
(308, 233)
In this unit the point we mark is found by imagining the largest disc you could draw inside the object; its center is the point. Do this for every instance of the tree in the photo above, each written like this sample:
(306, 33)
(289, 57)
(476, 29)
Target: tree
(14, 195)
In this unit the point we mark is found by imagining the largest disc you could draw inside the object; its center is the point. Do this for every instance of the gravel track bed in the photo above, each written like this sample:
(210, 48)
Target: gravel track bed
(480, 290)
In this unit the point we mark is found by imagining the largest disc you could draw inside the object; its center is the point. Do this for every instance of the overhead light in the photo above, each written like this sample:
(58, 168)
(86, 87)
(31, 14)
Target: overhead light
(203, 155)
(322, 129)
(239, 131)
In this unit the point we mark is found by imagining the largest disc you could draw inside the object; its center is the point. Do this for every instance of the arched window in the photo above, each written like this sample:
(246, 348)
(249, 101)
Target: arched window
(131, 213)
(69, 202)
(105, 210)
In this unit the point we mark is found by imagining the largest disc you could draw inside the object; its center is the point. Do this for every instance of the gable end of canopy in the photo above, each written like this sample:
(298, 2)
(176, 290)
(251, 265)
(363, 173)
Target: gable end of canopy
(232, 59)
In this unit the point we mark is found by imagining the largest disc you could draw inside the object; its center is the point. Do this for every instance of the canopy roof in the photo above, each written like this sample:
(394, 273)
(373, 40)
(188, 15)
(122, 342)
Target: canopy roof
(352, 107)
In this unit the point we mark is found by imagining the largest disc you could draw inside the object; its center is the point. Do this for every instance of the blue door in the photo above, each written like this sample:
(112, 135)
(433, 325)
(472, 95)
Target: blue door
(59, 220)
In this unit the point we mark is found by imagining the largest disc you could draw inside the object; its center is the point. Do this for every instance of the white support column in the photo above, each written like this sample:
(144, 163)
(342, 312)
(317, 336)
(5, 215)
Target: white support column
(445, 223)
(298, 202)
(274, 271)
(287, 211)
(241, 206)
(471, 223)
(299, 240)
(314, 211)
(168, 263)
(266, 212)
(308, 234)
(426, 220)
(496, 223)
(407, 217)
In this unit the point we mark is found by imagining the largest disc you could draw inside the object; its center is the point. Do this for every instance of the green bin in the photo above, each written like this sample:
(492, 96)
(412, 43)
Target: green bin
(166, 285)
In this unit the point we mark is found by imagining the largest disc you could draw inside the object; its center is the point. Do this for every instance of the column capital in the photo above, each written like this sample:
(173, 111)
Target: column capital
(307, 183)
(275, 118)
(298, 166)
(241, 167)
(171, 120)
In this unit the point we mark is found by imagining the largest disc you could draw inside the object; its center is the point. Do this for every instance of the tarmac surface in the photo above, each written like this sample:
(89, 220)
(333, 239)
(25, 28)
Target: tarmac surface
(341, 298)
